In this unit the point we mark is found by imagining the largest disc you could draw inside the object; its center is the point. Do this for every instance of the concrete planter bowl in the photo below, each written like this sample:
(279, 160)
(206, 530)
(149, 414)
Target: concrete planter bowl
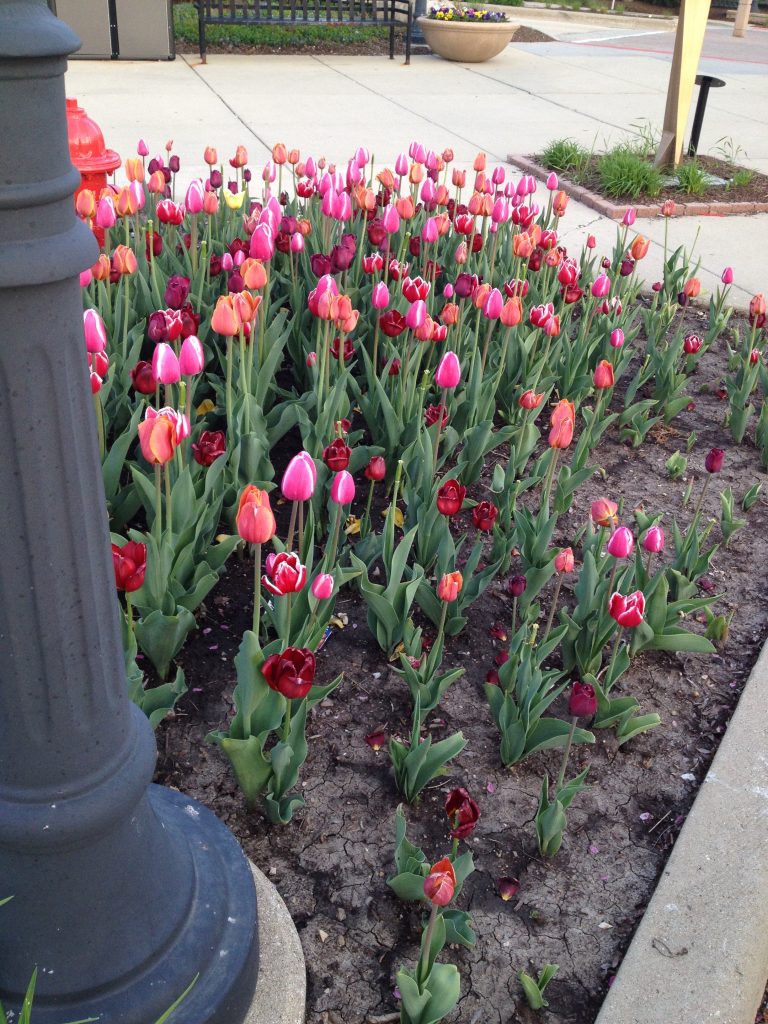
(466, 41)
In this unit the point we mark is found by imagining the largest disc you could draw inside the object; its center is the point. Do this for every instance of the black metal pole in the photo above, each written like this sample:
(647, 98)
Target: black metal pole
(698, 117)
(122, 891)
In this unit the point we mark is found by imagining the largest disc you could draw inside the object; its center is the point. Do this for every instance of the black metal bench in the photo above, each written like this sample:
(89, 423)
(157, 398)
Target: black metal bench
(391, 14)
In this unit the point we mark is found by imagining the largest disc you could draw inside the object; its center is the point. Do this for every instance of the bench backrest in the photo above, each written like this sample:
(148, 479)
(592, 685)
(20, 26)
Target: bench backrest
(335, 11)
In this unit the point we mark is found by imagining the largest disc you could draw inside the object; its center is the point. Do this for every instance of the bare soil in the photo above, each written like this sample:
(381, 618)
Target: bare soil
(579, 910)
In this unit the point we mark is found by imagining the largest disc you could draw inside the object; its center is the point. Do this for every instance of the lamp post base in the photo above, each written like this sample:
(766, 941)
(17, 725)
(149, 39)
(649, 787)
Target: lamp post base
(217, 938)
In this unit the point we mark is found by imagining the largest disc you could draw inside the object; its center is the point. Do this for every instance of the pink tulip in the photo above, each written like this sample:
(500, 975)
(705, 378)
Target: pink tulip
(137, 191)
(142, 148)
(418, 153)
(601, 286)
(617, 338)
(448, 372)
(270, 172)
(380, 296)
(165, 364)
(428, 191)
(390, 221)
(343, 488)
(654, 540)
(227, 262)
(322, 586)
(621, 542)
(192, 358)
(500, 212)
(95, 331)
(310, 167)
(629, 217)
(553, 182)
(328, 202)
(416, 315)
(262, 243)
(193, 200)
(239, 258)
(429, 232)
(312, 359)
(105, 213)
(354, 174)
(727, 276)
(401, 165)
(498, 176)
(493, 305)
(85, 278)
(300, 478)
(362, 156)
(342, 206)
(297, 242)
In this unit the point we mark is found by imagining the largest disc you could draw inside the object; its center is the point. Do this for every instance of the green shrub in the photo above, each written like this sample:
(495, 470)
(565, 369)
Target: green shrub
(692, 178)
(563, 155)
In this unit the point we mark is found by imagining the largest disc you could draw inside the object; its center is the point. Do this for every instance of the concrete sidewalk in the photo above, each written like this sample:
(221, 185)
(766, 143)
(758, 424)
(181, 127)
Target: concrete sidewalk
(588, 84)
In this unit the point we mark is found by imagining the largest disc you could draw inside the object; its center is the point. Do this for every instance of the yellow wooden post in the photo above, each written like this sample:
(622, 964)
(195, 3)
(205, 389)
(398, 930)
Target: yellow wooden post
(689, 40)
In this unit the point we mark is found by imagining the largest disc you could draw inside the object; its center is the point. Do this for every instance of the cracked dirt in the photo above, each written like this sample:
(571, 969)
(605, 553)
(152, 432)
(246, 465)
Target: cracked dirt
(579, 910)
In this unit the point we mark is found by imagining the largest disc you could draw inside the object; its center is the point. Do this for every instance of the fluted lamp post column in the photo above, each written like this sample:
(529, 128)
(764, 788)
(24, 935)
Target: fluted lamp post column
(122, 891)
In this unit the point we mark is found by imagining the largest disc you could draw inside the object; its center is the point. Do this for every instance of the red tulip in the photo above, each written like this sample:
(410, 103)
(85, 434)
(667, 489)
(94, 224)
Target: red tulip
(210, 446)
(627, 610)
(462, 812)
(450, 497)
(530, 400)
(376, 468)
(290, 673)
(583, 701)
(130, 565)
(336, 455)
(603, 377)
(714, 460)
(285, 574)
(484, 515)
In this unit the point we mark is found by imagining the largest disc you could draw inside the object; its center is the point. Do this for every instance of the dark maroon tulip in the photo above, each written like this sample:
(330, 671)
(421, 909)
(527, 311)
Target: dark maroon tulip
(376, 739)
(392, 323)
(176, 291)
(215, 264)
(337, 455)
(431, 414)
(320, 264)
(462, 812)
(130, 565)
(376, 468)
(484, 515)
(583, 701)
(210, 446)
(143, 379)
(157, 328)
(714, 460)
(517, 585)
(290, 673)
(450, 497)
(508, 888)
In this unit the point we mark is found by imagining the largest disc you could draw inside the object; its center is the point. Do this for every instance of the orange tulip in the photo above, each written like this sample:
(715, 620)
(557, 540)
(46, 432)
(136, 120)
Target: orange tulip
(280, 153)
(225, 320)
(240, 159)
(386, 178)
(125, 204)
(245, 306)
(134, 168)
(639, 247)
(293, 157)
(480, 162)
(450, 313)
(603, 377)
(480, 294)
(559, 204)
(85, 204)
(692, 287)
(255, 521)
(442, 197)
(305, 227)
(405, 207)
(210, 155)
(124, 260)
(253, 274)
(668, 208)
(522, 245)
(157, 437)
(156, 183)
(604, 512)
(458, 178)
(449, 587)
(562, 422)
(416, 174)
(210, 204)
(101, 268)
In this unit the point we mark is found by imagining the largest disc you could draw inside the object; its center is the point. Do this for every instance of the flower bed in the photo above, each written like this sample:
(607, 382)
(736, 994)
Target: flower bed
(476, 474)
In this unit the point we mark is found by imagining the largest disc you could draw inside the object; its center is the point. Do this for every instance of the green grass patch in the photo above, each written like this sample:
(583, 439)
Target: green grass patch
(625, 175)
(692, 178)
(185, 30)
(563, 155)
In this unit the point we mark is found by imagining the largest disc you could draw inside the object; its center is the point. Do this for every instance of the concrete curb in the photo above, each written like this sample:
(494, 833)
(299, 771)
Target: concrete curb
(614, 212)
(700, 954)
(281, 987)
(606, 19)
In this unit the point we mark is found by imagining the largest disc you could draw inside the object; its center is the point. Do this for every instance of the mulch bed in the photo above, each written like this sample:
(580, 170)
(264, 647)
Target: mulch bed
(579, 910)
(371, 48)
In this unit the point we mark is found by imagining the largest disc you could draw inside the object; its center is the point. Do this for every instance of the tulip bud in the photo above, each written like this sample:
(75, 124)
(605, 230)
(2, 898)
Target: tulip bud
(603, 377)
(165, 364)
(654, 540)
(86, 276)
(621, 542)
(714, 460)
(416, 315)
(312, 359)
(629, 217)
(449, 587)
(94, 330)
(591, 242)
(343, 488)
(552, 182)
(601, 286)
(322, 586)
(517, 585)
(440, 883)
(604, 512)
(448, 373)
(380, 296)
(564, 560)
(583, 701)
(300, 478)
(192, 357)
(105, 213)
(617, 338)
(727, 276)
(493, 304)
(193, 199)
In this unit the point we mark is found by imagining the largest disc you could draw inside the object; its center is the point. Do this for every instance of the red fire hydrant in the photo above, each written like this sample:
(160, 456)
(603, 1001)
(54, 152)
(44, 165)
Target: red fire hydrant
(89, 153)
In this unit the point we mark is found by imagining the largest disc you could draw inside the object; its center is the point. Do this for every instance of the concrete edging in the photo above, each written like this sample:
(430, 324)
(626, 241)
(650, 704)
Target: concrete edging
(700, 953)
(616, 212)
(603, 19)
(281, 987)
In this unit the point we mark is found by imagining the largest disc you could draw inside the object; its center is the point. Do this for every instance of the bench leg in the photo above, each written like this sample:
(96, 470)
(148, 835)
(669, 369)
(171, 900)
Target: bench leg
(408, 30)
(392, 42)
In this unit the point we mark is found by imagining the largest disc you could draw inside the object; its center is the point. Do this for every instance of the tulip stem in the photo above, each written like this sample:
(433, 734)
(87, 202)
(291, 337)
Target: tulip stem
(375, 358)
(701, 498)
(549, 479)
(423, 969)
(488, 334)
(193, 242)
(441, 408)
(292, 527)
(287, 720)
(126, 311)
(553, 609)
(168, 499)
(514, 614)
(158, 504)
(566, 755)
(441, 627)
(229, 387)
(100, 425)
(367, 518)
(455, 846)
(244, 390)
(301, 527)
(335, 542)
(129, 612)
(648, 566)
(256, 590)
(609, 680)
